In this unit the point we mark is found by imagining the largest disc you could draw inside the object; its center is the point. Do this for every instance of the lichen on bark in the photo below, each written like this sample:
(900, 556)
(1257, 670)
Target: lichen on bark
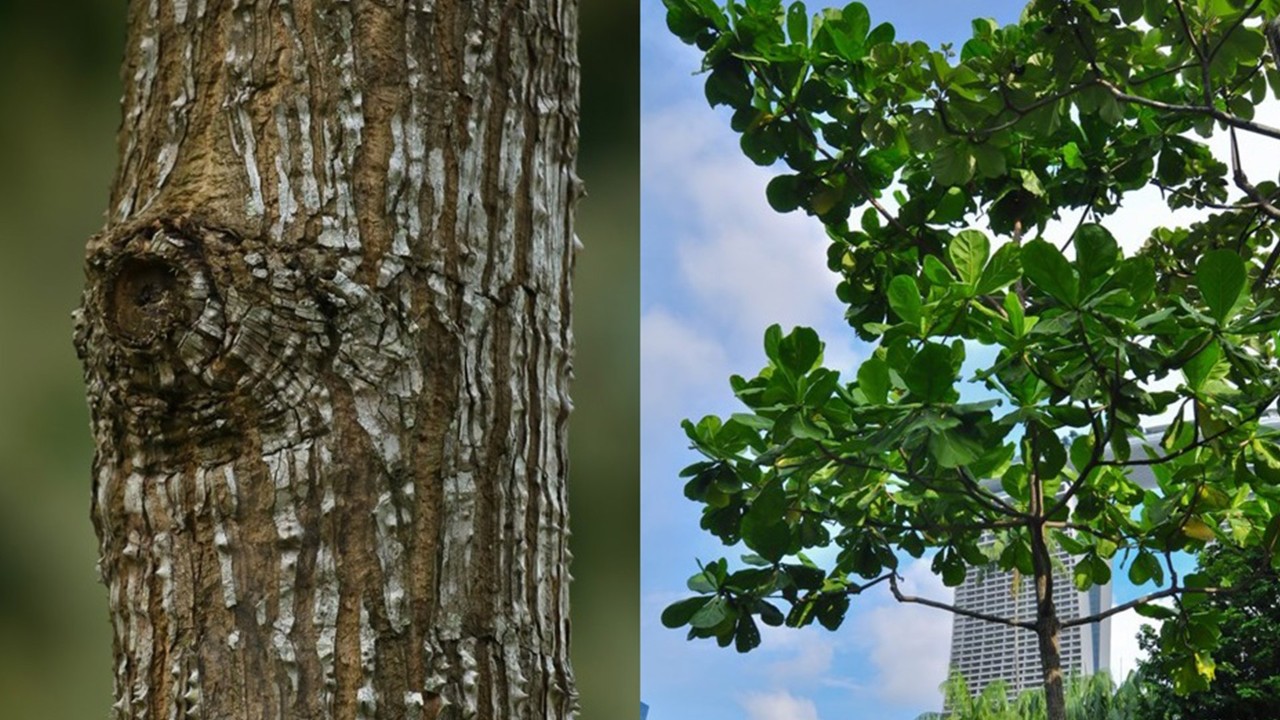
(326, 340)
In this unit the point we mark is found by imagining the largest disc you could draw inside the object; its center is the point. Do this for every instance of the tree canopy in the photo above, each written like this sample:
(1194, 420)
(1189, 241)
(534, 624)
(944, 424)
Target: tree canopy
(1247, 686)
(967, 195)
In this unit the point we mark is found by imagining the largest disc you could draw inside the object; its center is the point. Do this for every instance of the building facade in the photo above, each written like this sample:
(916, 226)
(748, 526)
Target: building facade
(984, 652)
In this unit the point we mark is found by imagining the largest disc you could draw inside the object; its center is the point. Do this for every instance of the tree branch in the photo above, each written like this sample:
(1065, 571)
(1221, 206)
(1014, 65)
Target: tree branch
(1213, 112)
(1095, 456)
(1242, 181)
(897, 594)
(1201, 201)
(856, 589)
(1257, 413)
(1060, 525)
(1144, 600)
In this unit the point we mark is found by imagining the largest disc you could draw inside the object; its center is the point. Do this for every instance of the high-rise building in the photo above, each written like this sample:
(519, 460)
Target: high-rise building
(983, 652)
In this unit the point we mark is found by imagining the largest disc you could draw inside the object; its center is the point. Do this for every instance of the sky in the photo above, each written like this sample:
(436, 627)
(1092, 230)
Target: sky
(718, 266)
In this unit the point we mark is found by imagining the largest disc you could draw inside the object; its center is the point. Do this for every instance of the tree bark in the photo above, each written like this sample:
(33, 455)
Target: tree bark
(326, 341)
(1048, 625)
(1048, 631)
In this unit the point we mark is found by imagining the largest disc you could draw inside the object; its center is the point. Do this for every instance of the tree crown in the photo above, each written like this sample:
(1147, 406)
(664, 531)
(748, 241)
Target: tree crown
(938, 175)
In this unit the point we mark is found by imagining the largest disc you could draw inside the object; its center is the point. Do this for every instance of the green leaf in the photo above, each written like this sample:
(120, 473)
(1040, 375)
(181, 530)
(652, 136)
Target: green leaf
(930, 376)
(1082, 575)
(1096, 254)
(772, 341)
(857, 19)
(1030, 182)
(1155, 612)
(936, 272)
(1050, 271)
(760, 144)
(680, 613)
(728, 85)
(764, 527)
(1199, 369)
(873, 381)
(1004, 268)
(1070, 544)
(1069, 415)
(952, 206)
(1053, 457)
(969, 251)
(714, 612)
(953, 448)
(769, 614)
(880, 34)
(831, 611)
(798, 23)
(769, 538)
(747, 637)
(953, 164)
(784, 193)
(904, 298)
(953, 573)
(1144, 567)
(1081, 451)
(1130, 11)
(703, 582)
(799, 352)
(753, 421)
(1017, 318)
(1071, 156)
(1220, 276)
(989, 160)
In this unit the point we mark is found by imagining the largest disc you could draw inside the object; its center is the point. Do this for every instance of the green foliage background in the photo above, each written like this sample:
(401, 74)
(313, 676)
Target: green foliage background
(1095, 697)
(59, 110)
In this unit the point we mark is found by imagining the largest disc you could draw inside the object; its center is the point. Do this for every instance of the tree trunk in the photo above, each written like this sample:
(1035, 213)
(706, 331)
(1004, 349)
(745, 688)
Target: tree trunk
(326, 341)
(1048, 625)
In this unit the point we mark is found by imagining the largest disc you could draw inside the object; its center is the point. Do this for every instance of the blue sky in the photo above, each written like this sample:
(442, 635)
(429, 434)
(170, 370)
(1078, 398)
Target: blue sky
(717, 267)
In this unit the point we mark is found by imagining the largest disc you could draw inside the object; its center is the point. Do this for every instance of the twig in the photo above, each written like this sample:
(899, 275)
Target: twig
(1213, 52)
(1262, 408)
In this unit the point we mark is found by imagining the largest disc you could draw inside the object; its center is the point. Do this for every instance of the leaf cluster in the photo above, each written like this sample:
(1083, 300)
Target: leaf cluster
(1067, 111)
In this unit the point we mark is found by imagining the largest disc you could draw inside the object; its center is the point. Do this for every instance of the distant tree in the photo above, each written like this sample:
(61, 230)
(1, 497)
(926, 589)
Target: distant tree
(1095, 697)
(1247, 653)
(1059, 116)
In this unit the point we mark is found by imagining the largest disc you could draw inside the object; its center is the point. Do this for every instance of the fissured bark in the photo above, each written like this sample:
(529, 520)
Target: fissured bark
(326, 340)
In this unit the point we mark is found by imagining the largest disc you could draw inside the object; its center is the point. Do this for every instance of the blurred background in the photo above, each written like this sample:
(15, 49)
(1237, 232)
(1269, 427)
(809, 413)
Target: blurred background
(59, 110)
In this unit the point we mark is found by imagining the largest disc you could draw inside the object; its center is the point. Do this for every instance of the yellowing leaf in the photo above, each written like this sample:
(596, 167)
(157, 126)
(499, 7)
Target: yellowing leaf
(1195, 528)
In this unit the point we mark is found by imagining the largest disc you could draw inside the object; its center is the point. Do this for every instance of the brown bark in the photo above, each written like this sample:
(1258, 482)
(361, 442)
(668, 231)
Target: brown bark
(1048, 631)
(1048, 625)
(326, 341)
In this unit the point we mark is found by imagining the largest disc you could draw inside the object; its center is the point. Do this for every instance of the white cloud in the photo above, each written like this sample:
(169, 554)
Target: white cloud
(910, 645)
(745, 264)
(676, 360)
(1125, 652)
(803, 655)
(780, 705)
(1145, 210)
